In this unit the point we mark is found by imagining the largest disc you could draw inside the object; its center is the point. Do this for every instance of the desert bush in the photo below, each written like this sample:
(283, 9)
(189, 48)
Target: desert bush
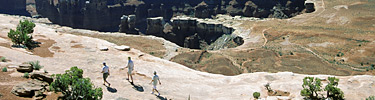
(311, 87)
(4, 69)
(340, 54)
(26, 75)
(22, 34)
(333, 92)
(3, 59)
(74, 87)
(371, 98)
(256, 95)
(36, 65)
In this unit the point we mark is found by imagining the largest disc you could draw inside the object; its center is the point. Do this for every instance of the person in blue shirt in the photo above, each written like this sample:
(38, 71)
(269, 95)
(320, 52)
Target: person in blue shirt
(130, 67)
(105, 72)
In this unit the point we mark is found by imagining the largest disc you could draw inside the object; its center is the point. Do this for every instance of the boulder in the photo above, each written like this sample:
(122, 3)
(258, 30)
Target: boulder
(310, 7)
(29, 88)
(249, 9)
(122, 48)
(202, 10)
(41, 77)
(103, 48)
(25, 68)
(155, 25)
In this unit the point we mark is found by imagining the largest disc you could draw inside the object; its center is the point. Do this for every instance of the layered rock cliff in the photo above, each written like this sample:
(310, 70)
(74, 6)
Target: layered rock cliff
(104, 15)
(17, 7)
(191, 32)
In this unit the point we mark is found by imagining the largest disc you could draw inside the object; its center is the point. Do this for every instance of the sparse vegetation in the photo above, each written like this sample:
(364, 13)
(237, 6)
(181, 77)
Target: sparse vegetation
(4, 69)
(74, 87)
(311, 87)
(36, 65)
(26, 75)
(22, 34)
(280, 53)
(371, 98)
(256, 95)
(152, 53)
(340, 54)
(333, 92)
(3, 59)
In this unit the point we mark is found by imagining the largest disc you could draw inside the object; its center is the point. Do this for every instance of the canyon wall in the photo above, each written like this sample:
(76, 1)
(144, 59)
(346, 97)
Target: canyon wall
(192, 32)
(104, 15)
(17, 7)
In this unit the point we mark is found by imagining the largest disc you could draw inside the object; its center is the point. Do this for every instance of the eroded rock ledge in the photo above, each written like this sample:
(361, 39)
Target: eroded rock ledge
(193, 33)
(103, 15)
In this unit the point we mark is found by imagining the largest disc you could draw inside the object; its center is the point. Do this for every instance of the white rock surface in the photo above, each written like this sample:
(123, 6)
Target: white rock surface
(122, 48)
(102, 48)
(178, 81)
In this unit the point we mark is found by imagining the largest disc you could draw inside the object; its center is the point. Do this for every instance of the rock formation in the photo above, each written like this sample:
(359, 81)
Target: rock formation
(188, 32)
(104, 15)
(17, 7)
(30, 88)
(25, 68)
(309, 6)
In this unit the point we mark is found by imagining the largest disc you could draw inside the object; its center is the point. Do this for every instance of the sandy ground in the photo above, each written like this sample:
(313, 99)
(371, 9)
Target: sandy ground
(178, 81)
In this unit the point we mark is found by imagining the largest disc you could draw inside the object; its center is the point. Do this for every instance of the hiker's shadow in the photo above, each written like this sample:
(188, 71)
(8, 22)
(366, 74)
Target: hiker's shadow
(111, 89)
(137, 87)
(162, 98)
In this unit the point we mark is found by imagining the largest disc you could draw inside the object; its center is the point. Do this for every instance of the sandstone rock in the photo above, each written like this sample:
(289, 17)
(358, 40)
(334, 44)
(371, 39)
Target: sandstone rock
(202, 10)
(27, 89)
(13, 66)
(102, 48)
(310, 7)
(155, 25)
(124, 26)
(41, 77)
(25, 68)
(249, 9)
(122, 48)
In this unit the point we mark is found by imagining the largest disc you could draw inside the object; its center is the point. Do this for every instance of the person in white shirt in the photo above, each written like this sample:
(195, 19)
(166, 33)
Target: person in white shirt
(130, 67)
(105, 72)
(154, 81)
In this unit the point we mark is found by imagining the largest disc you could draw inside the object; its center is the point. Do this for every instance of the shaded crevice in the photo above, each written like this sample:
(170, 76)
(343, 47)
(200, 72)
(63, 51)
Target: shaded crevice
(194, 33)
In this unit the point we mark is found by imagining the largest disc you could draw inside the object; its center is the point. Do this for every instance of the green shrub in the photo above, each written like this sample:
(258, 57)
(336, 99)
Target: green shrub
(4, 69)
(256, 95)
(22, 34)
(36, 65)
(26, 75)
(311, 87)
(371, 98)
(340, 54)
(3, 59)
(74, 87)
(333, 91)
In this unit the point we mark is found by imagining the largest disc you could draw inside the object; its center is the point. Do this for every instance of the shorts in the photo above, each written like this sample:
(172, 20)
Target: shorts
(105, 76)
(130, 72)
(154, 86)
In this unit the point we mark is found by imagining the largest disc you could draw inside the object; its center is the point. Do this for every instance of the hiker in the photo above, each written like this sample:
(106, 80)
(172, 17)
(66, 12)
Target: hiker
(154, 82)
(105, 72)
(130, 67)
